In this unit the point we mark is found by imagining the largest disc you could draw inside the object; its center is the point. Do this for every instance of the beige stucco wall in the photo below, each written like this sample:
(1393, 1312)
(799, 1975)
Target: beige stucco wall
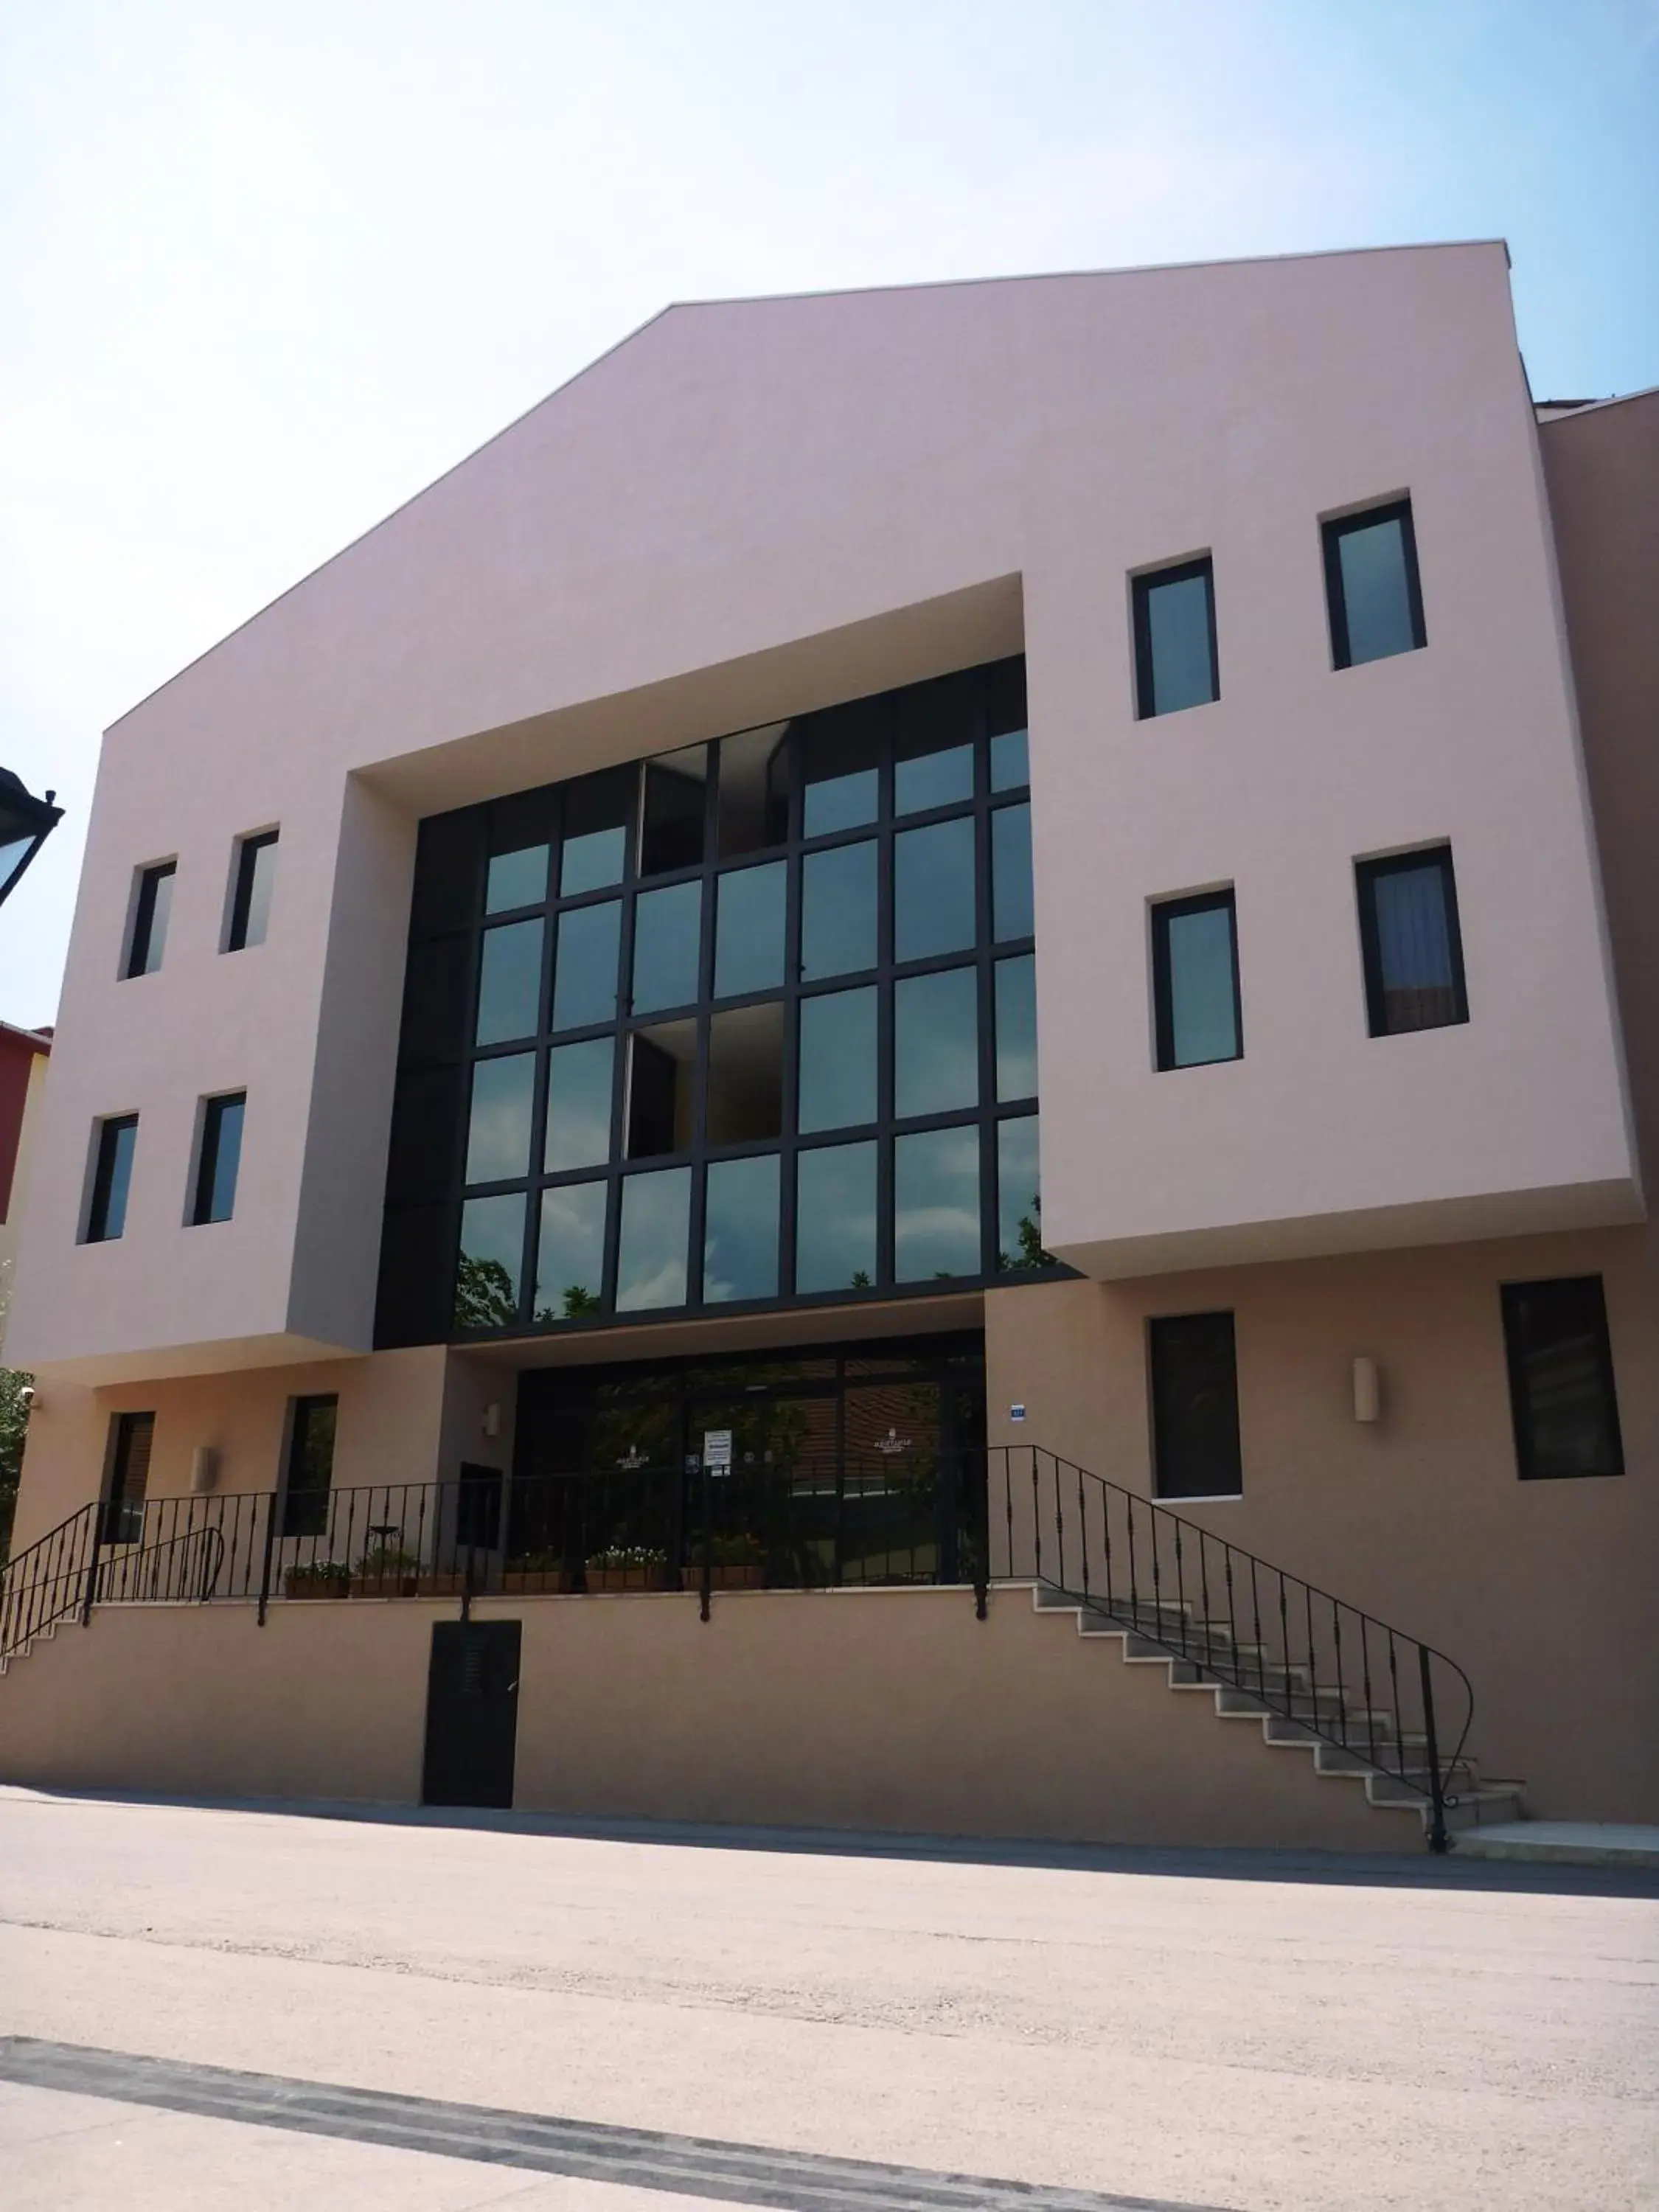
(391, 1429)
(1544, 1592)
(754, 507)
(886, 1710)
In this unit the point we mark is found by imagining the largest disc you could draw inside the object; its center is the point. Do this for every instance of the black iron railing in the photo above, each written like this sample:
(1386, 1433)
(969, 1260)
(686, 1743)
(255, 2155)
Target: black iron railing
(47, 1582)
(812, 1522)
(1390, 1701)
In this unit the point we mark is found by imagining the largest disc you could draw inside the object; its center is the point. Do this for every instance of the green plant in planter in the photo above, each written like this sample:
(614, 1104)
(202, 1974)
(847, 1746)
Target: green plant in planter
(381, 1561)
(742, 1550)
(536, 1563)
(627, 1555)
(321, 1578)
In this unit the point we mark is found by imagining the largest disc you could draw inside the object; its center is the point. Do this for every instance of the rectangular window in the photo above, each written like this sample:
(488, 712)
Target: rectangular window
(490, 1263)
(1194, 1404)
(115, 1142)
(1561, 1389)
(151, 907)
(1195, 999)
(656, 1226)
(131, 1440)
(1371, 584)
(570, 1255)
(498, 1128)
(936, 1187)
(1175, 639)
(740, 1230)
(310, 1466)
(1410, 942)
(837, 1069)
(219, 1157)
(250, 904)
(1019, 1198)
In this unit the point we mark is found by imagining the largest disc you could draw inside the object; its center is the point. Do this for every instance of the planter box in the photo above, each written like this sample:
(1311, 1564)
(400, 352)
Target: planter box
(311, 1582)
(628, 1578)
(386, 1585)
(446, 1586)
(530, 1581)
(747, 1574)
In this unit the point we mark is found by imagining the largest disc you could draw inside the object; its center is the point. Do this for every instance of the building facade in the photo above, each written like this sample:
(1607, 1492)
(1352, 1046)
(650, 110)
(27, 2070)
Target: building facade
(915, 958)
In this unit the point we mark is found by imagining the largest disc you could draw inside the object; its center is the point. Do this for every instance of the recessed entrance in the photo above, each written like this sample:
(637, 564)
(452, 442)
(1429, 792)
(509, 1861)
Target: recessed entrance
(794, 1469)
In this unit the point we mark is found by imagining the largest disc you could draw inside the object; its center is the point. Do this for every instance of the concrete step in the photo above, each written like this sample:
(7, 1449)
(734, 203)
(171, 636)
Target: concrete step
(1562, 1843)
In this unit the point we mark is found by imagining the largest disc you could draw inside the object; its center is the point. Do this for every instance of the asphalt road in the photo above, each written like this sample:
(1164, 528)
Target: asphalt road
(1272, 2036)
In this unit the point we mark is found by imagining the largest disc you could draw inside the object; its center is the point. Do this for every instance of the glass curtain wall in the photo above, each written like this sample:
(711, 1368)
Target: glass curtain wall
(750, 1023)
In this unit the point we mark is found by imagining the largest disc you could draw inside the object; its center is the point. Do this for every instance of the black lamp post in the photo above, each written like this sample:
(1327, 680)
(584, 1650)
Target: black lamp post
(25, 824)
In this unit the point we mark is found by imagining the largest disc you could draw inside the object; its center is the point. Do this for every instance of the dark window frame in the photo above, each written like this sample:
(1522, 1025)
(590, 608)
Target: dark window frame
(214, 1110)
(997, 706)
(304, 1506)
(1164, 911)
(1142, 585)
(141, 936)
(105, 1144)
(1333, 530)
(123, 1515)
(1367, 873)
(248, 850)
(1160, 1329)
(1526, 1444)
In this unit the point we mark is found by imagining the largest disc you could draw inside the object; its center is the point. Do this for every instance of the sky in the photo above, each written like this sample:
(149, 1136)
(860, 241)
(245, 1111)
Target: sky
(268, 266)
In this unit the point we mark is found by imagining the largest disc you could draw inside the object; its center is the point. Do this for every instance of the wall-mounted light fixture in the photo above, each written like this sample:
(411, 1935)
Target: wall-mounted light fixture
(203, 1467)
(491, 1423)
(1367, 1390)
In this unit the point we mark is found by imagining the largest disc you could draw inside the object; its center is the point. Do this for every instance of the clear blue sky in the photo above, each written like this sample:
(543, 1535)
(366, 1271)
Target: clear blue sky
(266, 266)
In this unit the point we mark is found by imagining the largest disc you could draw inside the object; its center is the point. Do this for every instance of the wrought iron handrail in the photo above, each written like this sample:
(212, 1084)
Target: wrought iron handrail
(48, 1580)
(1241, 1621)
(164, 1572)
(810, 1519)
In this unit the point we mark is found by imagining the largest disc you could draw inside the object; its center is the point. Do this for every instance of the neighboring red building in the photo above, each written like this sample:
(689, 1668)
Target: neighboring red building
(23, 1056)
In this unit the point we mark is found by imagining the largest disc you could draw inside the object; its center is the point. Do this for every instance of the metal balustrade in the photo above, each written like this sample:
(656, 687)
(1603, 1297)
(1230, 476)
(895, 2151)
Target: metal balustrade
(1388, 1699)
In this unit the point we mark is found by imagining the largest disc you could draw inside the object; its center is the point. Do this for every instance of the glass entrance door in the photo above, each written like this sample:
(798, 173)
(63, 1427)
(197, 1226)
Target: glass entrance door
(861, 1465)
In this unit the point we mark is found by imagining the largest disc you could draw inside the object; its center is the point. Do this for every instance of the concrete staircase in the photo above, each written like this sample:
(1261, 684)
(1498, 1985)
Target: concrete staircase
(1390, 1763)
(22, 1651)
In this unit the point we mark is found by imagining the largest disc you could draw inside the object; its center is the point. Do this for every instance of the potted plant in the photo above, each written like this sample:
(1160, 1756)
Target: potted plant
(734, 1562)
(385, 1569)
(535, 1573)
(627, 1567)
(320, 1578)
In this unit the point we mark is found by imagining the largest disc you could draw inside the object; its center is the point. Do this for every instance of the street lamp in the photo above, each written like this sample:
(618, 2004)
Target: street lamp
(25, 824)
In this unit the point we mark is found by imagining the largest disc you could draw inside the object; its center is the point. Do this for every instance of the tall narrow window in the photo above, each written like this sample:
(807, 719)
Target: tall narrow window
(1175, 639)
(150, 909)
(250, 902)
(1371, 584)
(310, 1466)
(1196, 981)
(1410, 942)
(219, 1157)
(115, 1142)
(1194, 1393)
(1561, 1391)
(128, 1477)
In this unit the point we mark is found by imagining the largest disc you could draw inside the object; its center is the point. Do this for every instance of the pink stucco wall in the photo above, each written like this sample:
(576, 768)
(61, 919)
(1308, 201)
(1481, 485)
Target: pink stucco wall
(754, 507)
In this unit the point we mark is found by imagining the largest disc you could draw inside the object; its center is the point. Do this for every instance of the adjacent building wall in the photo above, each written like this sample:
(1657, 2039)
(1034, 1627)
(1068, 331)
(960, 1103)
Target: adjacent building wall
(886, 1710)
